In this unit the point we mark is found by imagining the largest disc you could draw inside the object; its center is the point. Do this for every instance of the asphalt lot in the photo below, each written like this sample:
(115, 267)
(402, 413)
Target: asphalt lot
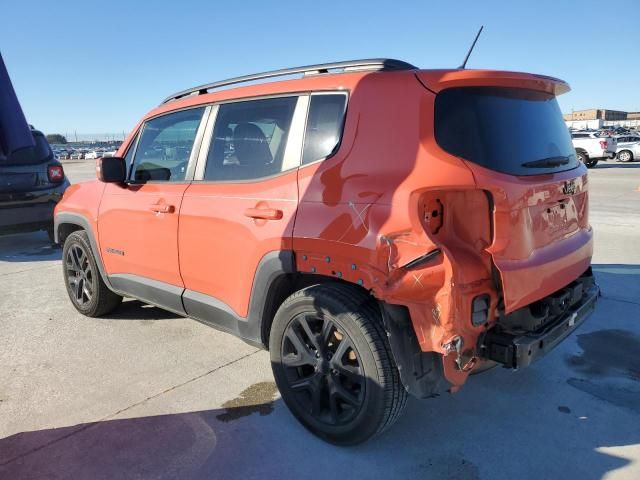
(145, 394)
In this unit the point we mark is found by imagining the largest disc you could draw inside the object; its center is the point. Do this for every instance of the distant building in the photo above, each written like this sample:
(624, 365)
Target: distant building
(597, 114)
(633, 116)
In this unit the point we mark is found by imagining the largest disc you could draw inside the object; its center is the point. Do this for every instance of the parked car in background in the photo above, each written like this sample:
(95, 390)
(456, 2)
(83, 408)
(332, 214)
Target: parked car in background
(64, 154)
(359, 222)
(591, 148)
(76, 156)
(628, 148)
(32, 182)
(93, 155)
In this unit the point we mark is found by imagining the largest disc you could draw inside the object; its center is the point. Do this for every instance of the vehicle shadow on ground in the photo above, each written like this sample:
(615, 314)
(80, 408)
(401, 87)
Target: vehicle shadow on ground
(137, 310)
(28, 247)
(618, 165)
(436, 439)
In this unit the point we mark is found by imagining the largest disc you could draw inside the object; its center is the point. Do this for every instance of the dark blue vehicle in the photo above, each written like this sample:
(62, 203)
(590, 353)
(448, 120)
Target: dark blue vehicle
(32, 180)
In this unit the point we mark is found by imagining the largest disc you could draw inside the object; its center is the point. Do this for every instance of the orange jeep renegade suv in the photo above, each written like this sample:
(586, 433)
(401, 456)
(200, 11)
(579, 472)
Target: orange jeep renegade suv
(382, 230)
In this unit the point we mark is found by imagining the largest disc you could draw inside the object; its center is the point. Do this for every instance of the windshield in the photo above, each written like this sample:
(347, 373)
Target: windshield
(510, 130)
(30, 156)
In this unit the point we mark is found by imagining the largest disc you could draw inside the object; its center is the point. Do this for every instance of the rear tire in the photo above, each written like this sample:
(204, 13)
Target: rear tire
(584, 158)
(87, 291)
(625, 156)
(333, 364)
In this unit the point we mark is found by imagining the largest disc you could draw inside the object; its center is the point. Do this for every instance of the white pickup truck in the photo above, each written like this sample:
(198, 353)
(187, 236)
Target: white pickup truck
(590, 147)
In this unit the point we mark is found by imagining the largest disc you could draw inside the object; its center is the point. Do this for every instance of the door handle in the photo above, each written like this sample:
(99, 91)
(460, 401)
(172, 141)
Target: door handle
(162, 208)
(263, 213)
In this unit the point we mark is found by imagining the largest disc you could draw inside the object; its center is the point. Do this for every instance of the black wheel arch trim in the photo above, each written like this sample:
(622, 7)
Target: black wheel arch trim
(65, 218)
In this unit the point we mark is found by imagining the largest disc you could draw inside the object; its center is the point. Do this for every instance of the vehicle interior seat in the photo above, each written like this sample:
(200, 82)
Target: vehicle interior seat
(252, 150)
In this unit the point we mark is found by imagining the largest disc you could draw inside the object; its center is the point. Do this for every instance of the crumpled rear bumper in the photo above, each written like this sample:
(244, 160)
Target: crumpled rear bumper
(514, 350)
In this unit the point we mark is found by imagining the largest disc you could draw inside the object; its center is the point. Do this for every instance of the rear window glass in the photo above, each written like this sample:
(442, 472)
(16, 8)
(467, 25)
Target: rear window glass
(509, 130)
(30, 156)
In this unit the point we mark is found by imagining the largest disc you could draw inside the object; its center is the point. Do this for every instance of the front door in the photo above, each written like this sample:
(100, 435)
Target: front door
(239, 210)
(138, 222)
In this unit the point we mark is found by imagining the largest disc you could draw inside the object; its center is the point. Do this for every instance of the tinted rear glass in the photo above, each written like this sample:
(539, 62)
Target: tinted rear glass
(504, 128)
(30, 156)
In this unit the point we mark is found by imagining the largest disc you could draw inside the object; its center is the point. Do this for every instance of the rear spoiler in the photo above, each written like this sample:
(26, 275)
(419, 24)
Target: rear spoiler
(438, 80)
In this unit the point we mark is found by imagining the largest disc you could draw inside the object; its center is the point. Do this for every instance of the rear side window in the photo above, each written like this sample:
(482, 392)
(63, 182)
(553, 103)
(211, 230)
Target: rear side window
(509, 130)
(165, 145)
(324, 126)
(249, 139)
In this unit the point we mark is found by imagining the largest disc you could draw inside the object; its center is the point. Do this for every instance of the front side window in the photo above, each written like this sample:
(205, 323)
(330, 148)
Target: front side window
(165, 145)
(249, 139)
(324, 126)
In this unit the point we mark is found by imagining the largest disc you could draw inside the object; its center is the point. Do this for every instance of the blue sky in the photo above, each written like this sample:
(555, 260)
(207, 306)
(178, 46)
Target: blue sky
(97, 67)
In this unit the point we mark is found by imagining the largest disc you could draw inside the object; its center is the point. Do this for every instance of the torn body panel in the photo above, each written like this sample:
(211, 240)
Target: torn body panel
(435, 272)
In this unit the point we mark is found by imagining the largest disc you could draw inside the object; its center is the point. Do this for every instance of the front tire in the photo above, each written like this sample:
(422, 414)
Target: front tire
(333, 364)
(625, 156)
(87, 291)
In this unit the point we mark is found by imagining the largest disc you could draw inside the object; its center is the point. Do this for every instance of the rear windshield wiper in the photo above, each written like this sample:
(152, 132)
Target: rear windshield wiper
(548, 162)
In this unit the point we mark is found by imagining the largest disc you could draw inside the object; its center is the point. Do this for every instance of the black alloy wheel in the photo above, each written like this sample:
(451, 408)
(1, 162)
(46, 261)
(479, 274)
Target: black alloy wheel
(323, 368)
(333, 365)
(87, 290)
(80, 276)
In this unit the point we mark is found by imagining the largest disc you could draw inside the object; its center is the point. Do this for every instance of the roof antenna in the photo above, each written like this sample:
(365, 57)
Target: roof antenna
(464, 64)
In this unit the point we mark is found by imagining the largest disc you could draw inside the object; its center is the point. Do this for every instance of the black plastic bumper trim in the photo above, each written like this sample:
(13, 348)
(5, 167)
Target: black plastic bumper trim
(519, 351)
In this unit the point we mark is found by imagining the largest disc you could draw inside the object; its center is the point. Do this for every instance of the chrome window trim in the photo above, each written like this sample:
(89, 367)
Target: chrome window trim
(197, 144)
(201, 162)
(292, 157)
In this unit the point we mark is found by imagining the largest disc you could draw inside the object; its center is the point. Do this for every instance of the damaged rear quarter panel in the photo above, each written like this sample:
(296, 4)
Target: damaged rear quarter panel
(364, 219)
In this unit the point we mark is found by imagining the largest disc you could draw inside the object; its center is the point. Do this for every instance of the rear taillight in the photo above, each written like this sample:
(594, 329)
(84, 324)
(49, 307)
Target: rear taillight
(56, 173)
(604, 144)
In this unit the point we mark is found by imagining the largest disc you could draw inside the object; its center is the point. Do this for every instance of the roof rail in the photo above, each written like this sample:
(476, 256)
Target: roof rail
(372, 63)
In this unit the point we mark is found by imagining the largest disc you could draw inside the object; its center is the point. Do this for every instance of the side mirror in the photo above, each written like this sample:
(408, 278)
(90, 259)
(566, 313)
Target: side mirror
(111, 170)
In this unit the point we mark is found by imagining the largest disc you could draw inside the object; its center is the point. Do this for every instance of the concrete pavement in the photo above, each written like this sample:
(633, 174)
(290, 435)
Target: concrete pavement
(145, 394)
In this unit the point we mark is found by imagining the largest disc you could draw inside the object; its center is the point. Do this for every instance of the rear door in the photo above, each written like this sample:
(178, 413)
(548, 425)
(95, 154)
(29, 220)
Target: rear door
(519, 150)
(138, 222)
(239, 211)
